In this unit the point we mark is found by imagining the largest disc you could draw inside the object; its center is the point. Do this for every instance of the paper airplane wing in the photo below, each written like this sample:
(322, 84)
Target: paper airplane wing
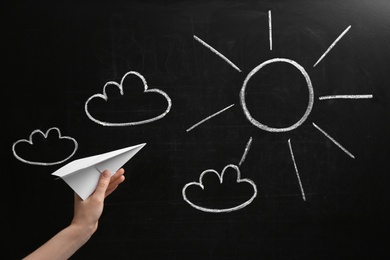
(116, 159)
(82, 175)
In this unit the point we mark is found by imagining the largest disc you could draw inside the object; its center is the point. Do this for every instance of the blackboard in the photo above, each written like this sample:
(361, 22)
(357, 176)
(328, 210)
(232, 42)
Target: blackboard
(292, 97)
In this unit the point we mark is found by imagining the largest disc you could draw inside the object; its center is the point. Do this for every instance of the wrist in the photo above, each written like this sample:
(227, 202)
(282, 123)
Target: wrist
(82, 232)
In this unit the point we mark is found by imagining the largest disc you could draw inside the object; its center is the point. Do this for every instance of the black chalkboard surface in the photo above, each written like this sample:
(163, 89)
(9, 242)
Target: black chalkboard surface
(267, 126)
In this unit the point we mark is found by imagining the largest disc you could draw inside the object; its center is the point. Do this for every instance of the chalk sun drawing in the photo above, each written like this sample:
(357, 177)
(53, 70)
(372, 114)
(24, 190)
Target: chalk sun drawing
(239, 181)
(310, 88)
(45, 135)
(104, 96)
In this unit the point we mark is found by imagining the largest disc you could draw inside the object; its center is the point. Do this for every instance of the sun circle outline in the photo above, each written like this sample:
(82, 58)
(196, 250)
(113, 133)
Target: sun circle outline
(276, 129)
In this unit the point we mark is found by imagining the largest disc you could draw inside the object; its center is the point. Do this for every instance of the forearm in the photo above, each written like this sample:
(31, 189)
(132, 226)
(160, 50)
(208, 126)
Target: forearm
(63, 245)
(84, 223)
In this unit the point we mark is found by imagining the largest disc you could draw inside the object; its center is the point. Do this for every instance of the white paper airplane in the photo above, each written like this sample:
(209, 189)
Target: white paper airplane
(82, 175)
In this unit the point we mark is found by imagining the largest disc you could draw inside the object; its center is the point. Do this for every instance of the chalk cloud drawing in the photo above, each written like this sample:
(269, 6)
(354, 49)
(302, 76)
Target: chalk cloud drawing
(30, 141)
(239, 181)
(264, 127)
(105, 97)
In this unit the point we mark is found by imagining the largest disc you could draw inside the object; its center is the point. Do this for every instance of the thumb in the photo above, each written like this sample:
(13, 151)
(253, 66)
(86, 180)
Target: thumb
(103, 183)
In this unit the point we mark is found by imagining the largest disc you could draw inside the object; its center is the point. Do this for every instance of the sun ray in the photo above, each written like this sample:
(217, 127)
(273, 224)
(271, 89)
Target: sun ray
(333, 44)
(334, 141)
(346, 97)
(296, 170)
(207, 118)
(270, 29)
(248, 145)
(216, 52)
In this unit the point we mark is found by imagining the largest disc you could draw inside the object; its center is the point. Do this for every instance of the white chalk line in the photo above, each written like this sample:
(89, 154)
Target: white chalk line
(209, 117)
(333, 44)
(220, 176)
(263, 126)
(248, 145)
(296, 170)
(270, 29)
(334, 141)
(216, 52)
(346, 97)
(45, 135)
(120, 86)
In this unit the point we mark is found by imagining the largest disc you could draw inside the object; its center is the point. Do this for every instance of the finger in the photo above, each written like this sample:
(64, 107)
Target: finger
(114, 185)
(117, 175)
(116, 182)
(110, 190)
(103, 183)
(117, 178)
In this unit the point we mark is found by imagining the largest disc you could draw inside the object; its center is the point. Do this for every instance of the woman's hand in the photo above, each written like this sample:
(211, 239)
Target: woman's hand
(87, 212)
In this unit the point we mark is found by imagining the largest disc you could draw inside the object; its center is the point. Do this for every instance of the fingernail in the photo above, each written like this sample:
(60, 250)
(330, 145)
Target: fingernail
(106, 174)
